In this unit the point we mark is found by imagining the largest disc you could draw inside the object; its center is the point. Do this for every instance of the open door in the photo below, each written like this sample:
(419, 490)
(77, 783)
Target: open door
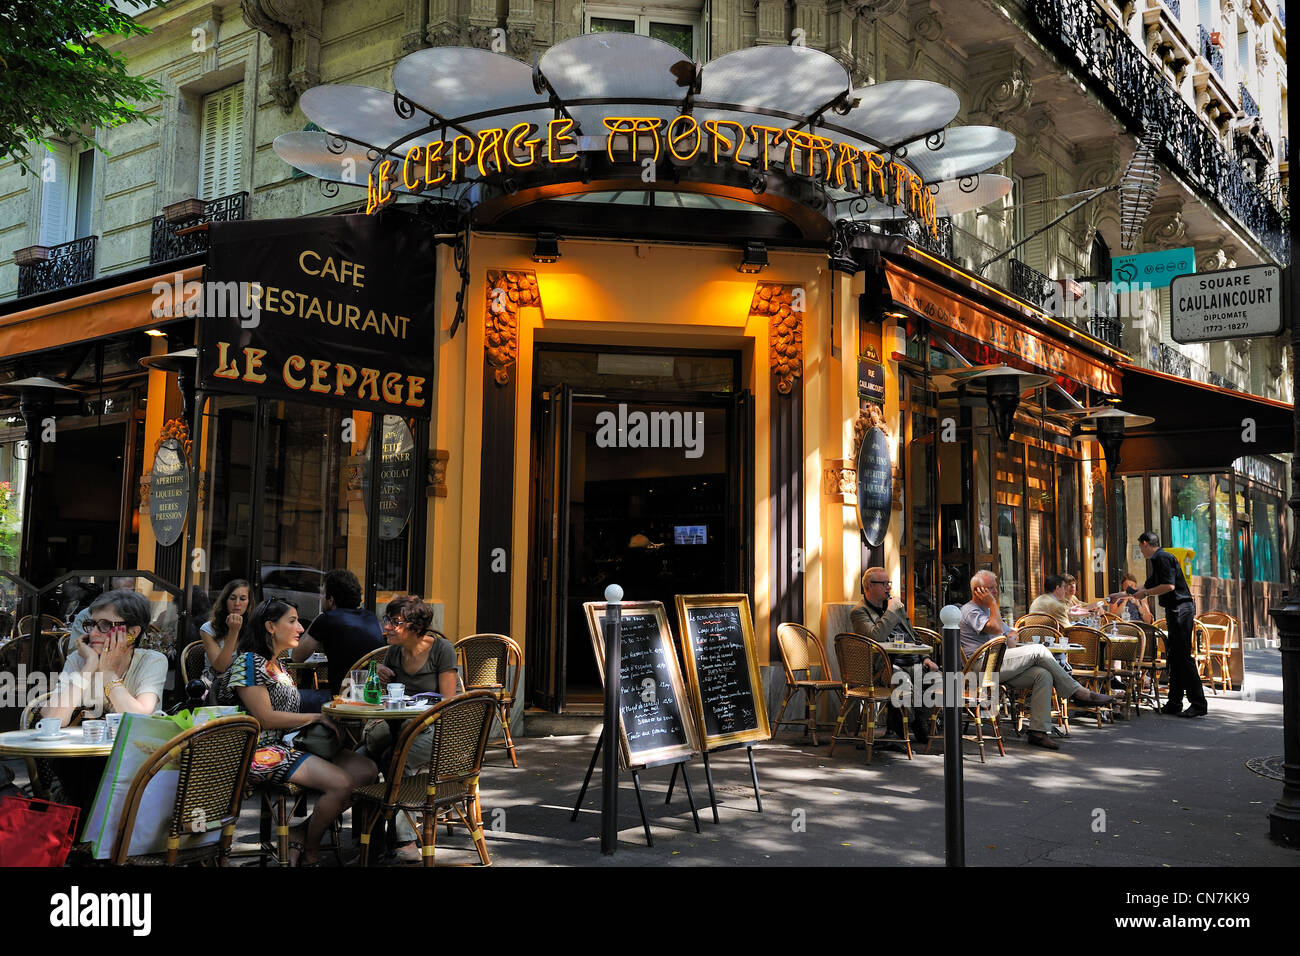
(547, 645)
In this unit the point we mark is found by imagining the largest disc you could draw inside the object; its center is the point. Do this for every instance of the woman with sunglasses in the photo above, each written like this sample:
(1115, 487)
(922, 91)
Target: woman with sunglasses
(108, 673)
(256, 681)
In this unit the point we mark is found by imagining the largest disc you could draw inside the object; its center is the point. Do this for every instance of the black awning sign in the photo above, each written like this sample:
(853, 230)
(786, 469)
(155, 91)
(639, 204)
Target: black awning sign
(875, 486)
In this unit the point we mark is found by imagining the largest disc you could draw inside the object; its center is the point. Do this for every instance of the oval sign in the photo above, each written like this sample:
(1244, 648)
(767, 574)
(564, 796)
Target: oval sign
(396, 477)
(169, 492)
(875, 486)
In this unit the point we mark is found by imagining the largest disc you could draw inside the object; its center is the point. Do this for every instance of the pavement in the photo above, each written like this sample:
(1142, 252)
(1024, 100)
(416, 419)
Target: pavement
(1155, 791)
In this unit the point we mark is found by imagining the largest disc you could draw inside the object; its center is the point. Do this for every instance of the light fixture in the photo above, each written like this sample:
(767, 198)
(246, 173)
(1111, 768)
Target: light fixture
(754, 259)
(155, 333)
(1107, 426)
(547, 248)
(1002, 386)
(185, 365)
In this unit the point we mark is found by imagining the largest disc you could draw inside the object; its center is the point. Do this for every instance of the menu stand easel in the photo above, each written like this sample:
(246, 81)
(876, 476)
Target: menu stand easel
(708, 778)
(636, 782)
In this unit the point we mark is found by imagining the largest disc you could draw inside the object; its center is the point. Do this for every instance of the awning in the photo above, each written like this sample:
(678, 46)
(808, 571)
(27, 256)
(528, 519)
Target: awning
(1198, 427)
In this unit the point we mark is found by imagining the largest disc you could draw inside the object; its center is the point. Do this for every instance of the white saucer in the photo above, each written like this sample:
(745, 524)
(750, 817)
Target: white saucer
(55, 736)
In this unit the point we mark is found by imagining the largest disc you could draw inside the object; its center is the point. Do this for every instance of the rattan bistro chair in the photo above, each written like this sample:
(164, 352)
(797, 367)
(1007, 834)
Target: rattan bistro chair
(447, 783)
(213, 761)
(1035, 618)
(1152, 662)
(935, 641)
(980, 689)
(801, 651)
(865, 671)
(363, 662)
(1037, 634)
(193, 660)
(491, 662)
(1088, 667)
(1217, 649)
(1124, 659)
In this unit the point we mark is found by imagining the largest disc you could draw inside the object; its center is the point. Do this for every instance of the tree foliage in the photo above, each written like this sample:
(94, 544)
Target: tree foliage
(57, 79)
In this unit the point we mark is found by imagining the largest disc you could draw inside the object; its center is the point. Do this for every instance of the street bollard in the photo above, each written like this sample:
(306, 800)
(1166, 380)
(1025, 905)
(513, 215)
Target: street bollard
(954, 807)
(613, 625)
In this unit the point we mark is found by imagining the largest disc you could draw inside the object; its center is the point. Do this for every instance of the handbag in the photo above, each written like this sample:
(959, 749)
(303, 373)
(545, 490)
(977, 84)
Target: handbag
(318, 740)
(36, 832)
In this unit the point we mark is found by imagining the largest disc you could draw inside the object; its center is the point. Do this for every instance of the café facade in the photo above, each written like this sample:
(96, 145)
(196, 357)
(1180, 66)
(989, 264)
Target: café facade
(618, 318)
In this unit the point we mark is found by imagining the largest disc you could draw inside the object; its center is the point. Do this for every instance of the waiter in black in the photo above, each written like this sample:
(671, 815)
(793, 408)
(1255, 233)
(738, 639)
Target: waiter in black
(1168, 583)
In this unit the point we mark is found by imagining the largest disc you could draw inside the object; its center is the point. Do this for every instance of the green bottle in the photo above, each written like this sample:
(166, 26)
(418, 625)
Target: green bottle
(372, 692)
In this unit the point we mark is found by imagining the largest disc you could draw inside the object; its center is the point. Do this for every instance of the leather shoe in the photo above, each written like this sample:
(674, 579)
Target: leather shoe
(1194, 711)
(1039, 739)
(1174, 709)
(1085, 696)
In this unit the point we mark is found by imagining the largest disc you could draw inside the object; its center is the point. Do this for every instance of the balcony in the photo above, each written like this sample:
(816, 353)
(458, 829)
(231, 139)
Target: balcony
(1217, 379)
(1213, 54)
(1029, 284)
(919, 235)
(56, 267)
(1107, 329)
(1094, 47)
(165, 244)
(1169, 360)
(1248, 104)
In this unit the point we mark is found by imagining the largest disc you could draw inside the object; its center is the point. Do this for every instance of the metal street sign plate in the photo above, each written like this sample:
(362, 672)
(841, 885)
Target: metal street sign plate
(1229, 304)
(1154, 269)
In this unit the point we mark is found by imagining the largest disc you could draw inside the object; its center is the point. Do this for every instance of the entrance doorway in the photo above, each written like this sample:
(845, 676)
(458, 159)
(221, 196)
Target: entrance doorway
(647, 488)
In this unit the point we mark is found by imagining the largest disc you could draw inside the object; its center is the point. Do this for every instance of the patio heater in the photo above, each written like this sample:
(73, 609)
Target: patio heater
(1002, 387)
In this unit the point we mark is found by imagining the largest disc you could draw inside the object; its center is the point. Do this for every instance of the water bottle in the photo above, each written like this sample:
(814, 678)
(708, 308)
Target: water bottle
(371, 693)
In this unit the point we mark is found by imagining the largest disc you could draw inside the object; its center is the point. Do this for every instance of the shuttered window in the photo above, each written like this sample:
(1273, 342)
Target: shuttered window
(56, 191)
(222, 142)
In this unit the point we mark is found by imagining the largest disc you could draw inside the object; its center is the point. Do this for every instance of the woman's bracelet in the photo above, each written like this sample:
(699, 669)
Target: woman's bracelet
(108, 688)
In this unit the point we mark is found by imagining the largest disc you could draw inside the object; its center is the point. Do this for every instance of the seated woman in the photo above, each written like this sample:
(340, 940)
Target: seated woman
(256, 681)
(424, 662)
(1129, 608)
(108, 673)
(220, 632)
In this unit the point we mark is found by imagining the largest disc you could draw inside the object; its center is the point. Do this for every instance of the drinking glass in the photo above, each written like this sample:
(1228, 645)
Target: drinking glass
(358, 678)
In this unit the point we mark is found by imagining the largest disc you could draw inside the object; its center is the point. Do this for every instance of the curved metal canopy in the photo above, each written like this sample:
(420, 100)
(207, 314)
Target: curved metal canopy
(445, 92)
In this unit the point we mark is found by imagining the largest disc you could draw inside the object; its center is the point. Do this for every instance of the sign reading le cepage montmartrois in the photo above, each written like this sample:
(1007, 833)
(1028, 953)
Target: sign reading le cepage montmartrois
(338, 311)
(1231, 304)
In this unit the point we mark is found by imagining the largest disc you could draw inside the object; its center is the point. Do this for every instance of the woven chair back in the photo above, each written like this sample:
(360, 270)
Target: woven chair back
(213, 762)
(363, 662)
(460, 728)
(1090, 638)
(486, 660)
(1122, 650)
(984, 666)
(927, 636)
(32, 712)
(1225, 639)
(192, 660)
(800, 651)
(1038, 620)
(863, 663)
(1044, 633)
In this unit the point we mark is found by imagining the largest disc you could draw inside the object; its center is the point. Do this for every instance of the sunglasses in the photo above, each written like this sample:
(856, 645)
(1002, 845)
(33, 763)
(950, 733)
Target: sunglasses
(104, 625)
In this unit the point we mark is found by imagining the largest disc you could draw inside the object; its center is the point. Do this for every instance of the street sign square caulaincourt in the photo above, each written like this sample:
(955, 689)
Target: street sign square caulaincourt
(1230, 304)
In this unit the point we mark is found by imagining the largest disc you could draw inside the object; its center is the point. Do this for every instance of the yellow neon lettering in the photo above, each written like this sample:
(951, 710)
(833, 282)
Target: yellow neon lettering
(873, 173)
(489, 146)
(457, 160)
(693, 129)
(557, 137)
(900, 175)
(515, 141)
(376, 195)
(632, 126)
(713, 128)
(759, 134)
(433, 157)
(849, 157)
(406, 163)
(810, 143)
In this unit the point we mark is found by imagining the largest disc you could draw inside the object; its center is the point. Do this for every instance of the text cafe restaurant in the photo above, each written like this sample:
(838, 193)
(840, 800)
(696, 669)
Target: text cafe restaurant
(621, 318)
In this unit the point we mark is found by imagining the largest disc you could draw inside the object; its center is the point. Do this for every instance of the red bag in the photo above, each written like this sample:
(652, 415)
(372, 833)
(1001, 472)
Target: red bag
(36, 832)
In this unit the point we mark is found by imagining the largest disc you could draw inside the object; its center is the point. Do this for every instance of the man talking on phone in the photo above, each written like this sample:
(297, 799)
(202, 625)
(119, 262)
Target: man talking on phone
(1029, 667)
(1167, 583)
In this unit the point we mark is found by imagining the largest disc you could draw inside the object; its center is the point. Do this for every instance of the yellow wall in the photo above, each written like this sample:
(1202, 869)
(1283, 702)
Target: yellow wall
(619, 294)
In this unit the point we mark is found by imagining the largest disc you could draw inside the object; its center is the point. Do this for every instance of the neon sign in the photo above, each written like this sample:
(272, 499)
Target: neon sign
(633, 139)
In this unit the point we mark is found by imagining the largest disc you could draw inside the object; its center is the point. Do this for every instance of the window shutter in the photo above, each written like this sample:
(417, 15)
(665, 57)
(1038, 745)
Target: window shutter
(56, 184)
(222, 142)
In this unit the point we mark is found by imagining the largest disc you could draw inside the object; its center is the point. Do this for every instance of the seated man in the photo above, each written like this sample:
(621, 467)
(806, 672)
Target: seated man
(883, 619)
(344, 631)
(1025, 666)
(1053, 601)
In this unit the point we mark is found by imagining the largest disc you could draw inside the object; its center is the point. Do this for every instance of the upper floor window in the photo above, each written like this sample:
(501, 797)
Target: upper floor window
(679, 27)
(221, 140)
(67, 194)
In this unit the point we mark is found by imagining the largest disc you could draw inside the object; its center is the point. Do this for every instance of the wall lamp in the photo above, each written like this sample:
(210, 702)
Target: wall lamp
(547, 248)
(754, 259)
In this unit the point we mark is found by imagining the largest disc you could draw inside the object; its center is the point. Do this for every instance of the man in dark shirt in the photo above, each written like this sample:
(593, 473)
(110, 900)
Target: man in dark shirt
(1168, 583)
(344, 631)
(884, 619)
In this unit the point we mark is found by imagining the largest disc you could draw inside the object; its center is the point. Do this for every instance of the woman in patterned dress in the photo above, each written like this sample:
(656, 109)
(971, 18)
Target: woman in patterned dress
(256, 681)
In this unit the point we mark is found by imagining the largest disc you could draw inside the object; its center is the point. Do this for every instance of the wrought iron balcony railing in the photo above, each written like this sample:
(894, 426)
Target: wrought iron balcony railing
(1173, 362)
(1248, 104)
(1217, 379)
(1094, 47)
(1213, 54)
(1029, 284)
(919, 235)
(165, 245)
(1109, 330)
(65, 265)
(1175, 8)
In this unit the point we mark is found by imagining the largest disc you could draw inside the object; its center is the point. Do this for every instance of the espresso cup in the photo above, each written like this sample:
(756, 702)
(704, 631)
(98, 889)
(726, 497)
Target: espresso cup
(48, 726)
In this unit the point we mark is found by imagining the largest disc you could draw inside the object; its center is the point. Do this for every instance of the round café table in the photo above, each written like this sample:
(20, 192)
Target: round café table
(70, 743)
(338, 709)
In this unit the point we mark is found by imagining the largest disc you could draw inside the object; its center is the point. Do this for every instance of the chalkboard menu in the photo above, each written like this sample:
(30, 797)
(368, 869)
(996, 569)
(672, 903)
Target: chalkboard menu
(169, 492)
(875, 486)
(722, 675)
(655, 726)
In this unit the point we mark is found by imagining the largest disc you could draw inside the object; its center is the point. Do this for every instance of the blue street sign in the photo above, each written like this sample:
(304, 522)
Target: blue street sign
(1155, 269)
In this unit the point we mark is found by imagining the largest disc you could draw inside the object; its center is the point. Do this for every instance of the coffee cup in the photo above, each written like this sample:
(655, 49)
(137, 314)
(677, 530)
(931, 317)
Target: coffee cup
(48, 726)
(95, 731)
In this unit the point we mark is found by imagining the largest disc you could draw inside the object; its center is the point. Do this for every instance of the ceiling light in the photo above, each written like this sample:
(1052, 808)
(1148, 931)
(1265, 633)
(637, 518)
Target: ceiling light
(754, 259)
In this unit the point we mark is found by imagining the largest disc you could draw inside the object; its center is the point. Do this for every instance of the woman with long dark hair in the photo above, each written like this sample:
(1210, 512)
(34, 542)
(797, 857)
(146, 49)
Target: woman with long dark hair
(220, 633)
(256, 681)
